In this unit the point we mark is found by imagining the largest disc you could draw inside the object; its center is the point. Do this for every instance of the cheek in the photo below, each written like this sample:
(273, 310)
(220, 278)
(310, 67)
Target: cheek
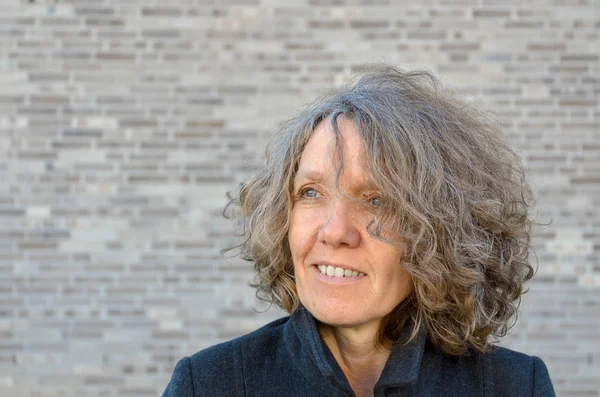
(295, 234)
(304, 227)
(394, 275)
(404, 283)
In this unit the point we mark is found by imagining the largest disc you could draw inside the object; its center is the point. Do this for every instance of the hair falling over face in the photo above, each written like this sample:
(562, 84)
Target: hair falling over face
(452, 188)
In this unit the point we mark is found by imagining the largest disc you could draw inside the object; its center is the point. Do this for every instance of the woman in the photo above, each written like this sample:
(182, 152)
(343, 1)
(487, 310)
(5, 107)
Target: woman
(391, 221)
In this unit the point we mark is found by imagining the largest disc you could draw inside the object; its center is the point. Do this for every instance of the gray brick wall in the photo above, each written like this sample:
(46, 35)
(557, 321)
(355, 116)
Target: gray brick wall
(124, 122)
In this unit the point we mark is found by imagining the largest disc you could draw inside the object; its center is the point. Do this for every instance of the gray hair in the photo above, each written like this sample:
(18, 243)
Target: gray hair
(453, 189)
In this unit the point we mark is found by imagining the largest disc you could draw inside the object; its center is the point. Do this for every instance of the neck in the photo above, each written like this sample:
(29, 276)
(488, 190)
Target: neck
(357, 353)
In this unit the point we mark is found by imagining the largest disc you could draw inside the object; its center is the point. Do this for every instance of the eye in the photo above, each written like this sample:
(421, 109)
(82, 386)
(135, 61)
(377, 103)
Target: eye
(373, 199)
(376, 201)
(309, 193)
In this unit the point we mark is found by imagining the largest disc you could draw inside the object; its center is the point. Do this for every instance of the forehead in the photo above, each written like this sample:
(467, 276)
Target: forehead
(321, 156)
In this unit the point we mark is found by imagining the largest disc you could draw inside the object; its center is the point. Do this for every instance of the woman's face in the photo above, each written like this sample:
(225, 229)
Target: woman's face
(364, 277)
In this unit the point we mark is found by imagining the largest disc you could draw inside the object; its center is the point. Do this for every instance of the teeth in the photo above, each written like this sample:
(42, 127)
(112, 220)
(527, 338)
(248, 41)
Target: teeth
(338, 271)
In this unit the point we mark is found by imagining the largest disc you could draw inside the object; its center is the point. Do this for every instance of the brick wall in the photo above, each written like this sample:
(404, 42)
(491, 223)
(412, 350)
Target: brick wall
(124, 122)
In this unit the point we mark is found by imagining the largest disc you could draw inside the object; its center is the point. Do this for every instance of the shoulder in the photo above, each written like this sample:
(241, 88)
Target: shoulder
(508, 372)
(498, 372)
(218, 370)
(222, 354)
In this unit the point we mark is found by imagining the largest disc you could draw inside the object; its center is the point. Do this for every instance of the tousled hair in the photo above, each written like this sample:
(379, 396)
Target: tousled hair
(453, 189)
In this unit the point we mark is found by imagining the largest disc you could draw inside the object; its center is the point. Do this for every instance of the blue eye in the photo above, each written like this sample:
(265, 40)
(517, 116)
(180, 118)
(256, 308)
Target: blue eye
(309, 192)
(376, 202)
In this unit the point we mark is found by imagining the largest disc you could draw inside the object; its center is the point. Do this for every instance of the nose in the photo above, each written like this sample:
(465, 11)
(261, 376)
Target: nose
(341, 227)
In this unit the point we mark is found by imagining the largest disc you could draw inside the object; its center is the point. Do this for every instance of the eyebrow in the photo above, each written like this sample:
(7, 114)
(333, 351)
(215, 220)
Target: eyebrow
(313, 175)
(317, 176)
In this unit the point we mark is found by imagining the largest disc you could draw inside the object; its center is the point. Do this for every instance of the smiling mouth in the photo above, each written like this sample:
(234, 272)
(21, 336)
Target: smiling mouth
(340, 272)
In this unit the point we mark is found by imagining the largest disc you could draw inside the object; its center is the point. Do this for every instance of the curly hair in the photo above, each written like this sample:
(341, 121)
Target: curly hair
(454, 190)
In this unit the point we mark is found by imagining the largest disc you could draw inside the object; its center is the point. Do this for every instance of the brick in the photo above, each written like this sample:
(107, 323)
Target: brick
(524, 24)
(37, 245)
(17, 20)
(137, 123)
(579, 57)
(93, 11)
(160, 212)
(11, 31)
(71, 145)
(106, 144)
(592, 180)
(326, 24)
(460, 47)
(579, 102)
(171, 335)
(110, 22)
(139, 391)
(192, 134)
(97, 380)
(426, 35)
(147, 179)
(161, 33)
(47, 77)
(47, 99)
(569, 69)
(491, 13)
(79, 132)
(125, 123)
(326, 2)
(59, 21)
(12, 99)
(546, 47)
(161, 11)
(534, 12)
(35, 155)
(113, 56)
(369, 24)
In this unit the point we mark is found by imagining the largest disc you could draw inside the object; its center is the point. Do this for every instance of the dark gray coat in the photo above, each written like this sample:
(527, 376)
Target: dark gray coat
(288, 358)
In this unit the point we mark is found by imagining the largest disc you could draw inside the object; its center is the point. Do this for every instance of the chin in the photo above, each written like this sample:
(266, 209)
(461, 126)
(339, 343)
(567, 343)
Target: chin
(337, 317)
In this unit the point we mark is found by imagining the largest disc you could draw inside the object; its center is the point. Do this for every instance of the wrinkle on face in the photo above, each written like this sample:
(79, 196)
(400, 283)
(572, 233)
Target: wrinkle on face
(344, 209)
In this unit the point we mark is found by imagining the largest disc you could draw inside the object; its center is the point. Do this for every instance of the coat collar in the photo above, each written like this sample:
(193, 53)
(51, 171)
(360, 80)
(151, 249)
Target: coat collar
(401, 371)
